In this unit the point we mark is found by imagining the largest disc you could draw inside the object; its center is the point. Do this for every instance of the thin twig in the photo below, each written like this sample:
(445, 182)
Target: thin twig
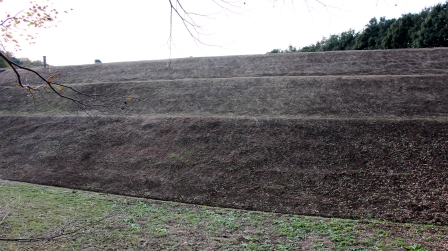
(30, 89)
(4, 217)
(60, 232)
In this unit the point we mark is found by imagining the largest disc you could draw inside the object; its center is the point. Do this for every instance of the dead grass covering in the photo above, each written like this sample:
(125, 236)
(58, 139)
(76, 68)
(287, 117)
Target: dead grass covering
(382, 62)
(341, 134)
(343, 96)
(383, 169)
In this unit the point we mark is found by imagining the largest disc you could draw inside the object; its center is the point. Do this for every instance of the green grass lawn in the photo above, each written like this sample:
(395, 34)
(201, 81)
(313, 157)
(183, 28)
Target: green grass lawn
(80, 220)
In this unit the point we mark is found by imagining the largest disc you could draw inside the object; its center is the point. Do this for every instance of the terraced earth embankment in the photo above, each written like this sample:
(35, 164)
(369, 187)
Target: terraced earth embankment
(360, 134)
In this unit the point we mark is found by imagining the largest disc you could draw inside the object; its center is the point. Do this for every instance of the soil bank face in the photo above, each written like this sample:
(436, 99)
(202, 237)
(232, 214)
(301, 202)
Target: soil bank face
(352, 144)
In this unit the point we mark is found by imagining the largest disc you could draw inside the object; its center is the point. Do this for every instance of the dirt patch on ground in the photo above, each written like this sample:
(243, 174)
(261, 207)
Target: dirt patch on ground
(4, 182)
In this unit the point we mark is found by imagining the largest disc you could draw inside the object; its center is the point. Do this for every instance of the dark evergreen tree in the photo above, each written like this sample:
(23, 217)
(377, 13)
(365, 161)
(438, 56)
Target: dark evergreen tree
(371, 37)
(347, 39)
(401, 33)
(276, 51)
(429, 28)
(367, 39)
(344, 41)
(434, 27)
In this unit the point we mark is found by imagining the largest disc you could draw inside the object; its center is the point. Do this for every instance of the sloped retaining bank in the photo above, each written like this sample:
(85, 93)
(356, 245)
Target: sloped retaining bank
(342, 63)
(384, 169)
(346, 96)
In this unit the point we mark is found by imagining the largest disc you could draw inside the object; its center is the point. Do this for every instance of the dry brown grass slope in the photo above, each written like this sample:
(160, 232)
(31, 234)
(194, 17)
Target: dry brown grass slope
(341, 134)
(419, 96)
(383, 62)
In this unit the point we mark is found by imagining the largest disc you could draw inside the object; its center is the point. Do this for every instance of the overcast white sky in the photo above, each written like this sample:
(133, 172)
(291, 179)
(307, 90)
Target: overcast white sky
(133, 30)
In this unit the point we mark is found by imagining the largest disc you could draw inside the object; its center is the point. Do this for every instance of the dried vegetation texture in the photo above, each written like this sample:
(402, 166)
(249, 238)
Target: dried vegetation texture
(340, 134)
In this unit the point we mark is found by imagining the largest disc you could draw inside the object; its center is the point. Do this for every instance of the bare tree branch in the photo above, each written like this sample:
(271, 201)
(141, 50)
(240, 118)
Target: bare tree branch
(190, 24)
(186, 19)
(49, 82)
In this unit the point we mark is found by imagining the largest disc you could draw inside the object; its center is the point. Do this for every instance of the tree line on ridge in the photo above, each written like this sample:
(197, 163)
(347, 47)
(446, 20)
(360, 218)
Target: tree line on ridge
(429, 28)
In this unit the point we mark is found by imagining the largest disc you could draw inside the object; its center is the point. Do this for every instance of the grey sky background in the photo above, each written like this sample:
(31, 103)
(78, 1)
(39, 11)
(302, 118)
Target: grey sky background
(133, 30)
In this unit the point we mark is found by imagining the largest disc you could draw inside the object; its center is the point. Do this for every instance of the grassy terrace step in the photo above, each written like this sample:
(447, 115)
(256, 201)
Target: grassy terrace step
(363, 168)
(384, 62)
(337, 96)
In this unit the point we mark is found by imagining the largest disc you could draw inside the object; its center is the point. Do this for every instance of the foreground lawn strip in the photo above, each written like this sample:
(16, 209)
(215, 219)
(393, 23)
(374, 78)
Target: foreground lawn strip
(86, 220)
